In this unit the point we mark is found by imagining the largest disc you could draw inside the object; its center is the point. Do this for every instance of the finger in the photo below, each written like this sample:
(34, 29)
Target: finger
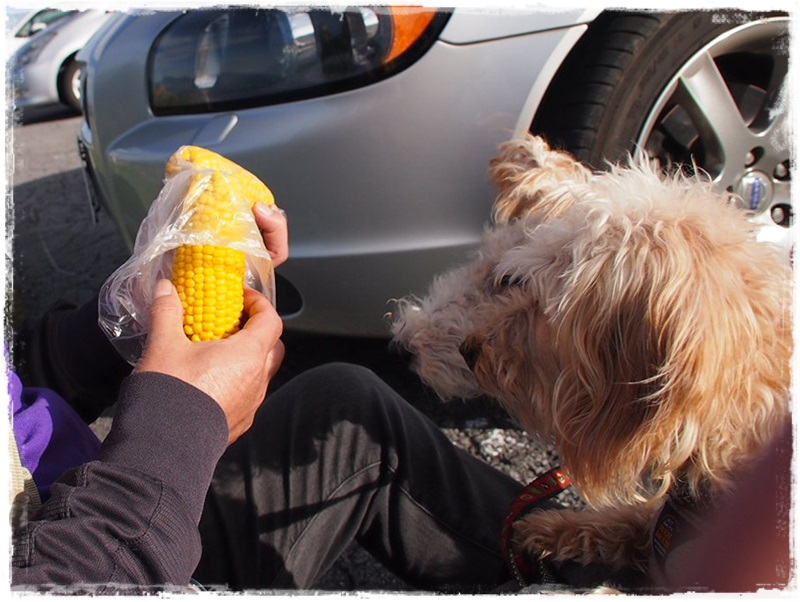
(166, 326)
(275, 359)
(166, 312)
(261, 314)
(254, 301)
(274, 229)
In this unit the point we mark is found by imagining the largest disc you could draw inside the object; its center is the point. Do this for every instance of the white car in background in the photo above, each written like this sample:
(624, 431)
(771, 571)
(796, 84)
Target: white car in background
(374, 126)
(43, 70)
(27, 24)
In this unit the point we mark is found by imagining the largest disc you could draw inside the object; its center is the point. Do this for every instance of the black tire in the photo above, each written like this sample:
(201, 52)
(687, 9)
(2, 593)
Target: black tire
(697, 90)
(68, 85)
(604, 91)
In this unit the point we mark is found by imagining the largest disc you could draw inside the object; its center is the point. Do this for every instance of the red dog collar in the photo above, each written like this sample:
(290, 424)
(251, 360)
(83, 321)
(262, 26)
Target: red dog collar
(540, 489)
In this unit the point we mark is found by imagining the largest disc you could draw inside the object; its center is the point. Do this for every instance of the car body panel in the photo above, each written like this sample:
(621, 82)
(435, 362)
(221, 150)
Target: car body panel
(398, 218)
(470, 26)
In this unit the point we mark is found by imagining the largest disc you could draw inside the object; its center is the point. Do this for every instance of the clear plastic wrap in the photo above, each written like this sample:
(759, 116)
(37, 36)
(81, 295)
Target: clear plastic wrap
(126, 295)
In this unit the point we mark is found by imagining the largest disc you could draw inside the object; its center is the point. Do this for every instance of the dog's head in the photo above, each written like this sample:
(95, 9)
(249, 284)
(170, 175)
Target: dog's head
(634, 321)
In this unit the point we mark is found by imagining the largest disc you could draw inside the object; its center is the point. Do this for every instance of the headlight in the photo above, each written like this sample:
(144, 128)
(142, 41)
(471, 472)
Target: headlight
(31, 50)
(224, 59)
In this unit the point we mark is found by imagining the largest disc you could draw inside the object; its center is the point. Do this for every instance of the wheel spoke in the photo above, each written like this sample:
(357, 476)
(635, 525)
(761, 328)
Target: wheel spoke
(783, 194)
(778, 132)
(706, 98)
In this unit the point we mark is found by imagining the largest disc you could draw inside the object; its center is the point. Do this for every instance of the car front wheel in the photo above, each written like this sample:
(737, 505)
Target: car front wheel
(704, 89)
(69, 85)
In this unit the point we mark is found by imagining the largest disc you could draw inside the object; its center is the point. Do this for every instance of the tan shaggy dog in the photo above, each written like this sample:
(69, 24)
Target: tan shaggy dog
(631, 320)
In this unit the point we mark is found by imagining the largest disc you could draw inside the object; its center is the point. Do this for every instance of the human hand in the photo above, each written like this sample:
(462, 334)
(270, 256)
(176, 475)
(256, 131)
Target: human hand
(235, 371)
(274, 229)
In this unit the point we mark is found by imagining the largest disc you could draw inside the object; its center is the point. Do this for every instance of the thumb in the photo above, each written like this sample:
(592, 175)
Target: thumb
(166, 312)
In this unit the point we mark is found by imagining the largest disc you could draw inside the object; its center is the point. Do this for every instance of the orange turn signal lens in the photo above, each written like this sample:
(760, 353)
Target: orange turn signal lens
(408, 24)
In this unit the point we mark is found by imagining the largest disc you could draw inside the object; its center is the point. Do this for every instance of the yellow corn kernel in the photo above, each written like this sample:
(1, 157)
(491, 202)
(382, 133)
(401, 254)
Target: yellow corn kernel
(209, 278)
(210, 283)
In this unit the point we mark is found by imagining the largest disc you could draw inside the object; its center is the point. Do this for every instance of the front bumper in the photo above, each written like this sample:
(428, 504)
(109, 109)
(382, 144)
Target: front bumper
(93, 196)
(326, 276)
(34, 85)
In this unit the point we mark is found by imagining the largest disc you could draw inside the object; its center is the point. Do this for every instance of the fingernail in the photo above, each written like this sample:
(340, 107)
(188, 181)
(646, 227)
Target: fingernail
(163, 288)
(275, 209)
(263, 208)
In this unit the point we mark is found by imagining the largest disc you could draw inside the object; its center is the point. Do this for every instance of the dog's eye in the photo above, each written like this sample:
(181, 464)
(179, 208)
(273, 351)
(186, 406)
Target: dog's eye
(470, 352)
(507, 281)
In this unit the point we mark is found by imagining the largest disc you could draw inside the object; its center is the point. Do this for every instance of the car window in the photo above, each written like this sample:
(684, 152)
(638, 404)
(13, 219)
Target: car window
(40, 21)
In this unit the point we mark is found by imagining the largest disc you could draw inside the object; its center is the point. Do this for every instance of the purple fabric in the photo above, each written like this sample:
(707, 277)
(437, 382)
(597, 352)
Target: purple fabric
(50, 435)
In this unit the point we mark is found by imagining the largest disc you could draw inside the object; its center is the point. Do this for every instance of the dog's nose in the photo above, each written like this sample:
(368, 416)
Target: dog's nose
(470, 353)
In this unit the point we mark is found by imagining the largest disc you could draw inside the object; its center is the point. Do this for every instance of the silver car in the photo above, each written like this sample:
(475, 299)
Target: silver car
(374, 126)
(27, 24)
(43, 70)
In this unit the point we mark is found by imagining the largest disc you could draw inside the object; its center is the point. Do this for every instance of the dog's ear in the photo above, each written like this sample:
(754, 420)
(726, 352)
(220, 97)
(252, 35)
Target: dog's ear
(604, 395)
(531, 177)
(675, 344)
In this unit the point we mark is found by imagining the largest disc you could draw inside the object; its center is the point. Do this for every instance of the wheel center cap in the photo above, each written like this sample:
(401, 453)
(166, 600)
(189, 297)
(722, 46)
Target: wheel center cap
(754, 191)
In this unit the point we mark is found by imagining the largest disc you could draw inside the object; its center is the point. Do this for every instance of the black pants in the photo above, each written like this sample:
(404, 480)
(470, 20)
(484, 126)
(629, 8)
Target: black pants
(334, 456)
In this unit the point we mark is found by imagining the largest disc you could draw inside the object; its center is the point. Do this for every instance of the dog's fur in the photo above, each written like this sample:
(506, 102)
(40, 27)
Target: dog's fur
(630, 319)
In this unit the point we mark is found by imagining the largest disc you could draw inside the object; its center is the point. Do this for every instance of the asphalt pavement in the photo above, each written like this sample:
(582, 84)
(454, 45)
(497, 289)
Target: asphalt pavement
(59, 252)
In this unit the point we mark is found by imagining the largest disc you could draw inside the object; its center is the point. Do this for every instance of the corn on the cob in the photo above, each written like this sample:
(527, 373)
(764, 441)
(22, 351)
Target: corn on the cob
(210, 278)
(244, 183)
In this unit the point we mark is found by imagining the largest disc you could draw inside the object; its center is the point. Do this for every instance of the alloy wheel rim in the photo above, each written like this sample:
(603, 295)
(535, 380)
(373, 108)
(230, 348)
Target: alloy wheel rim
(725, 114)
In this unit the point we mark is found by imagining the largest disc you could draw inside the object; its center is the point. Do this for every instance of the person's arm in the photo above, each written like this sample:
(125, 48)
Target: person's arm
(131, 516)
